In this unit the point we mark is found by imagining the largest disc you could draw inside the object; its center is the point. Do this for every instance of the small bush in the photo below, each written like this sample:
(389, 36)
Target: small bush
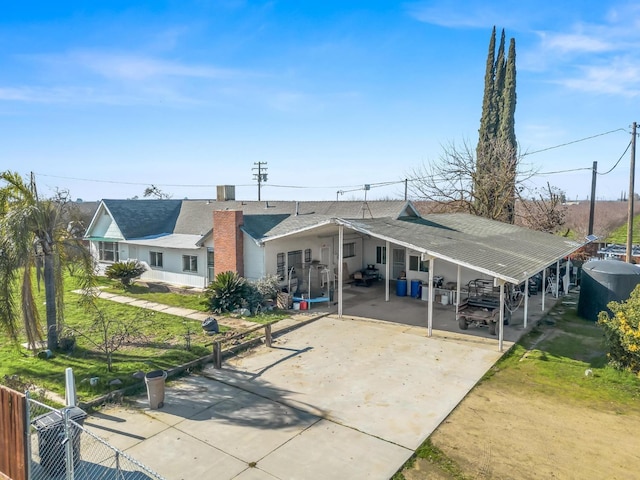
(125, 271)
(622, 332)
(226, 293)
(268, 287)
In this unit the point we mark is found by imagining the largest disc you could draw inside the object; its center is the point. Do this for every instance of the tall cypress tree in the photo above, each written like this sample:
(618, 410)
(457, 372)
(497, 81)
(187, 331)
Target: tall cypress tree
(507, 119)
(494, 181)
(487, 100)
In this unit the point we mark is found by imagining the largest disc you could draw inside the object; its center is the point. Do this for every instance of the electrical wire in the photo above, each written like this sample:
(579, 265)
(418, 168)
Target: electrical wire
(353, 188)
(574, 141)
(616, 164)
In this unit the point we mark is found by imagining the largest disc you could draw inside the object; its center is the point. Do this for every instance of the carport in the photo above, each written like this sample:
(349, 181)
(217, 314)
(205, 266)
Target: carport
(507, 253)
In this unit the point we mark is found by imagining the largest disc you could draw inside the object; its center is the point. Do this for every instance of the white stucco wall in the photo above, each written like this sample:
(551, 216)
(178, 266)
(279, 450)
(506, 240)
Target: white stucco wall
(254, 259)
(171, 271)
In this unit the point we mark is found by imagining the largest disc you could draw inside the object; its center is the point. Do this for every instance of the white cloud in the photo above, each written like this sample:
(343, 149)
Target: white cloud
(574, 43)
(132, 67)
(617, 78)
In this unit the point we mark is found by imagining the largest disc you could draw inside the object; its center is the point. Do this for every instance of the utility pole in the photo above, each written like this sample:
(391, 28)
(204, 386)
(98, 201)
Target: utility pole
(632, 174)
(261, 176)
(592, 206)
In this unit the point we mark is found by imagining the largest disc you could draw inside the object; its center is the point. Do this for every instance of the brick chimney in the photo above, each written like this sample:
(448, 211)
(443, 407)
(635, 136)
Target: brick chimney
(228, 252)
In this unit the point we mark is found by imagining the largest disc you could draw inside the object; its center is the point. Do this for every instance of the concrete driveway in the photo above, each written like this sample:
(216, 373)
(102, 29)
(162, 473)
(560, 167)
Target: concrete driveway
(338, 398)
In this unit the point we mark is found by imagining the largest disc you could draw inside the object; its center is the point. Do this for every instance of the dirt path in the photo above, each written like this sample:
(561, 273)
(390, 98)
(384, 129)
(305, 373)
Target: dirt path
(493, 435)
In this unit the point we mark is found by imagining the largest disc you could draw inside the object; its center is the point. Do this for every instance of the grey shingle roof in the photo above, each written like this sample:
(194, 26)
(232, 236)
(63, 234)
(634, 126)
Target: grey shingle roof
(144, 218)
(502, 250)
(268, 219)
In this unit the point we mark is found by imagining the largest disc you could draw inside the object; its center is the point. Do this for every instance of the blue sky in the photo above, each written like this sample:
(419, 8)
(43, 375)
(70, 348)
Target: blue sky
(105, 98)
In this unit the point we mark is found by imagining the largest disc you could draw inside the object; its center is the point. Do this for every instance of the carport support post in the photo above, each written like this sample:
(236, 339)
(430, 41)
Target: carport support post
(431, 296)
(526, 300)
(501, 326)
(340, 274)
(387, 271)
(544, 286)
(457, 290)
(557, 279)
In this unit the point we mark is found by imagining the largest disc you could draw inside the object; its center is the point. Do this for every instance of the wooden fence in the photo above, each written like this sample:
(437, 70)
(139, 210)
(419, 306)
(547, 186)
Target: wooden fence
(13, 438)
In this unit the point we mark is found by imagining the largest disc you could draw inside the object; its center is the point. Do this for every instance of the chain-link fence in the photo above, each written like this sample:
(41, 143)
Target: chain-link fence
(61, 448)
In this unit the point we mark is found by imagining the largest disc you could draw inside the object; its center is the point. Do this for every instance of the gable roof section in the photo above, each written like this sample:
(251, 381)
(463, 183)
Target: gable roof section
(501, 250)
(267, 220)
(144, 218)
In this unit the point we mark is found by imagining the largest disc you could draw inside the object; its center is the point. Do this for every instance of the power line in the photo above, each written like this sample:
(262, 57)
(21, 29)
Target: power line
(574, 141)
(623, 154)
(352, 187)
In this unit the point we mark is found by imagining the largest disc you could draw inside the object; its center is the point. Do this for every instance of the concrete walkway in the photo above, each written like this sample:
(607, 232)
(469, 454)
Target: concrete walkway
(337, 398)
(177, 311)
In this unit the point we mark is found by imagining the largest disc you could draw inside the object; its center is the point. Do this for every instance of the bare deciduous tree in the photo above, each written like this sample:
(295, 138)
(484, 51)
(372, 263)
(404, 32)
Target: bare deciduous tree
(454, 184)
(155, 192)
(545, 210)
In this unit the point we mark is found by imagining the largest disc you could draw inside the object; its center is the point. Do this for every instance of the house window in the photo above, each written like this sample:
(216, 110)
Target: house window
(294, 260)
(108, 251)
(381, 255)
(280, 266)
(155, 259)
(307, 255)
(210, 264)
(349, 250)
(417, 265)
(189, 263)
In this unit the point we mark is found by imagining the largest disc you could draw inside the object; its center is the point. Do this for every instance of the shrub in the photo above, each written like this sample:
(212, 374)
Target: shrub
(622, 333)
(125, 271)
(253, 298)
(226, 293)
(268, 287)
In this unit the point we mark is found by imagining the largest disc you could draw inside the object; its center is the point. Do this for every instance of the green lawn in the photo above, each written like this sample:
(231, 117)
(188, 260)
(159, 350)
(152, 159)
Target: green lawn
(160, 342)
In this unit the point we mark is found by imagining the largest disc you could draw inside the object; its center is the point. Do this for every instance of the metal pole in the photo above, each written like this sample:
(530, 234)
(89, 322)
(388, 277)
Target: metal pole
(431, 297)
(387, 271)
(594, 176)
(340, 273)
(557, 279)
(68, 438)
(632, 174)
(501, 326)
(544, 285)
(526, 301)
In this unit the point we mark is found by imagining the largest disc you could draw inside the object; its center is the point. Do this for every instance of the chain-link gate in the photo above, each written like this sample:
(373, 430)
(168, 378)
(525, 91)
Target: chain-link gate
(59, 447)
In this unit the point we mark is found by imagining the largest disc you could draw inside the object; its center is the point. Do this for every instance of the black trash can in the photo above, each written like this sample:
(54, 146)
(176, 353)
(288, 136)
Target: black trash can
(51, 435)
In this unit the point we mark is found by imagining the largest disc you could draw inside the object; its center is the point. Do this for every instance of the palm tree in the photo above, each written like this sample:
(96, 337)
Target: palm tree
(33, 237)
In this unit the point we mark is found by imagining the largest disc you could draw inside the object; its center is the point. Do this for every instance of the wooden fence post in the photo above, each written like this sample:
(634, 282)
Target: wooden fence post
(217, 355)
(267, 335)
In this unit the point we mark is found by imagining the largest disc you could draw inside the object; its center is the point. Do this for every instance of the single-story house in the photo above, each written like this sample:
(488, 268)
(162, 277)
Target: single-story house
(314, 246)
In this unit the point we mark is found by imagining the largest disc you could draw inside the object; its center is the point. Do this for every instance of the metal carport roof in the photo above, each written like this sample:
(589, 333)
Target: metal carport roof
(504, 251)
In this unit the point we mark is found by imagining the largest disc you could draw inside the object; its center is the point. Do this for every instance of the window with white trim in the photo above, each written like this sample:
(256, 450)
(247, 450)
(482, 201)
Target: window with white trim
(108, 251)
(190, 263)
(155, 259)
(418, 265)
(349, 250)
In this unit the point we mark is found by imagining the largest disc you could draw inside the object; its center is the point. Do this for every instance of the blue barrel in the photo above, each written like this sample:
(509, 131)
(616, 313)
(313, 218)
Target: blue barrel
(415, 288)
(401, 288)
